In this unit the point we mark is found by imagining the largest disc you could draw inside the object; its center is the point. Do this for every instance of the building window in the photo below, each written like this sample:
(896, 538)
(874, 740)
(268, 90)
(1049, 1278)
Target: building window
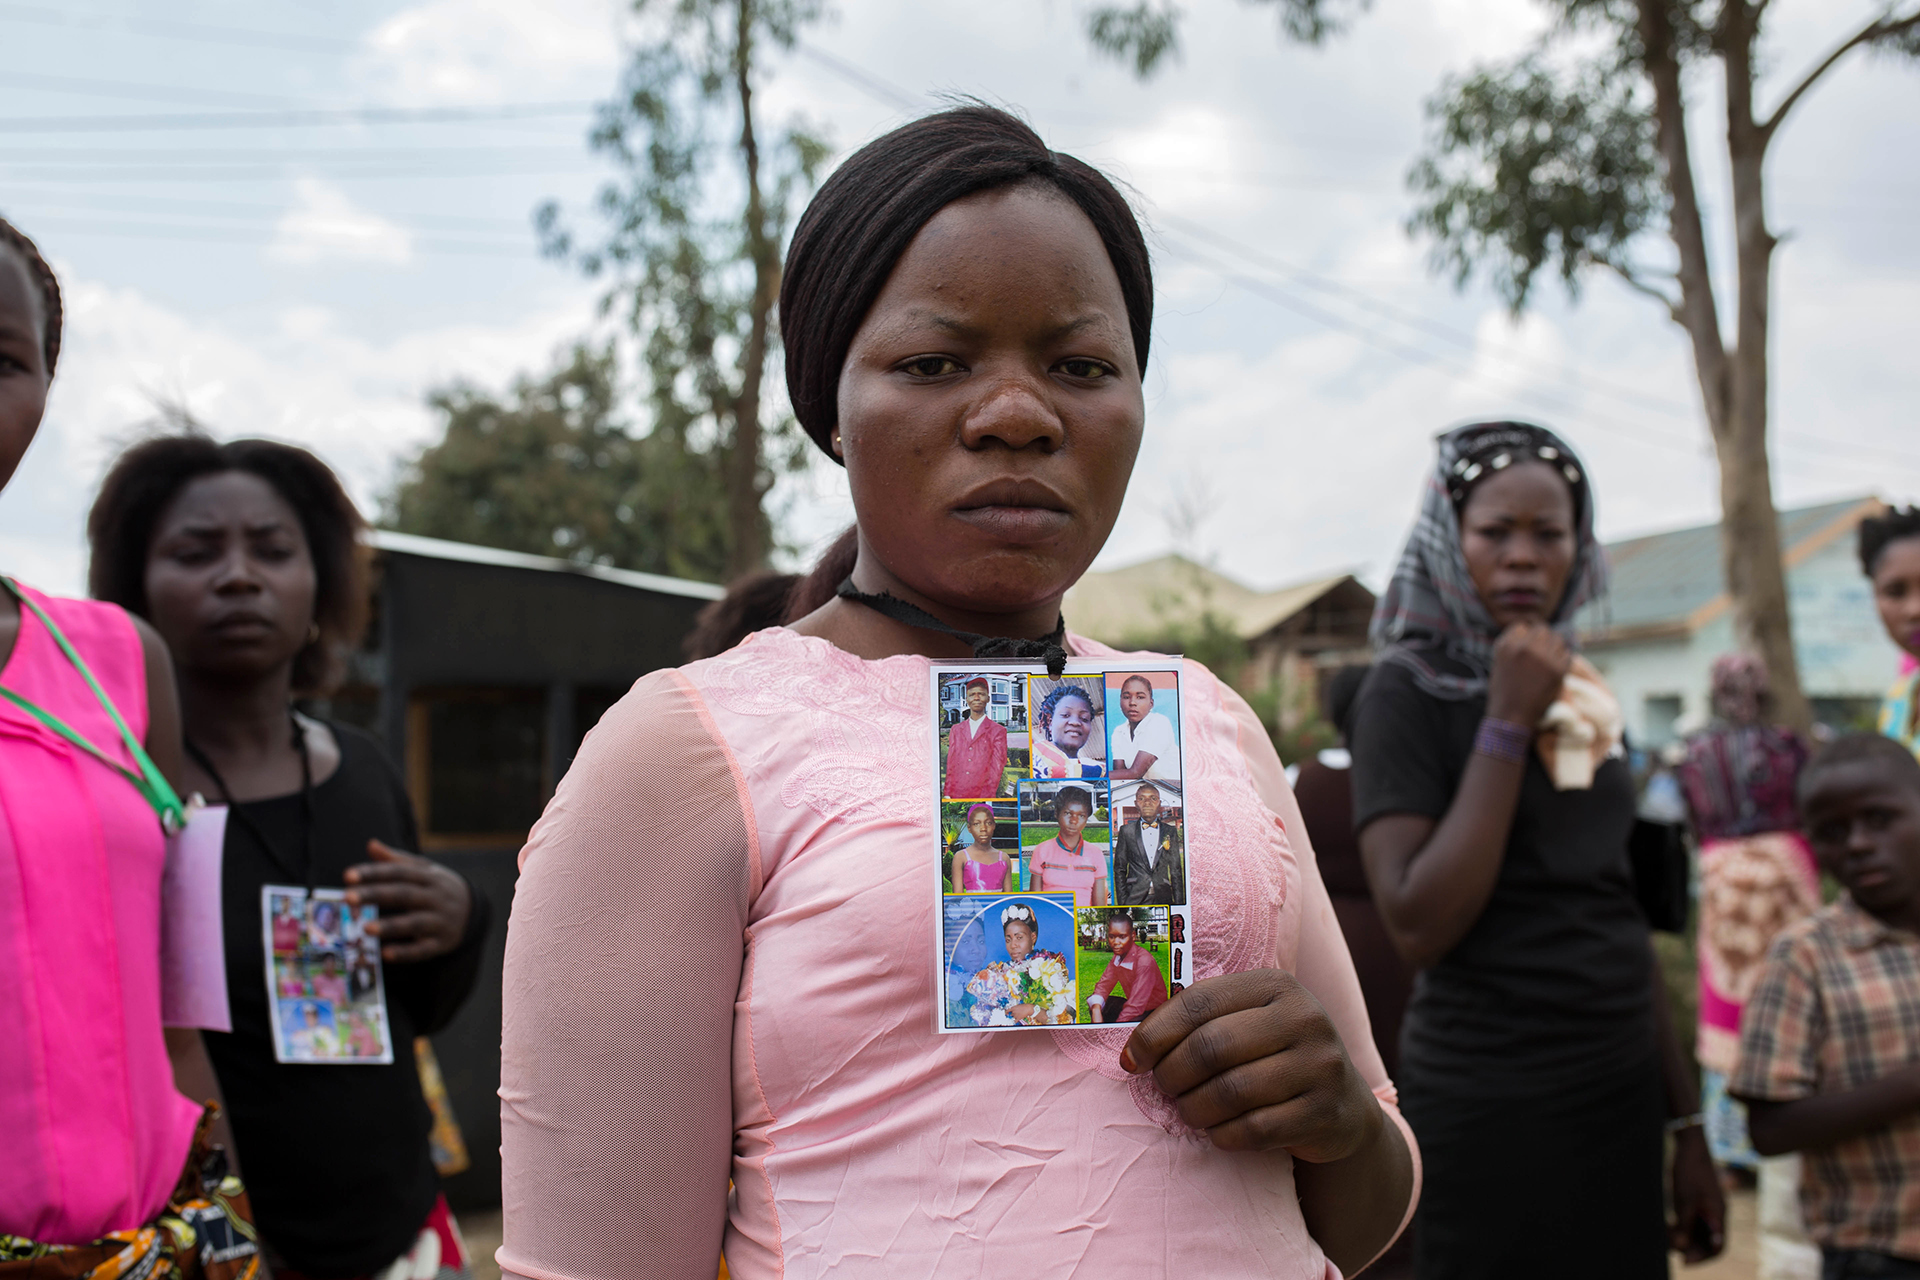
(1663, 711)
(477, 765)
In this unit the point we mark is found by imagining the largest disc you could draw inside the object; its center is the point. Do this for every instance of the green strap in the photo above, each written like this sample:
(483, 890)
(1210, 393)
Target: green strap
(149, 782)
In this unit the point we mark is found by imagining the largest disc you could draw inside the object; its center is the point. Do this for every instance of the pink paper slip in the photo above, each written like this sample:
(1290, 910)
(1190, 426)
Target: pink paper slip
(193, 948)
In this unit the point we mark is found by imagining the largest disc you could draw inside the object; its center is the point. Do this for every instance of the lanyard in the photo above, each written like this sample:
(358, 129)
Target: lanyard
(240, 815)
(1049, 648)
(149, 782)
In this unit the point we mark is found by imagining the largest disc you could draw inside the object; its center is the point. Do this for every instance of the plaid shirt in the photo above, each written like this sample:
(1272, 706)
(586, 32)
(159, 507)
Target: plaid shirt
(1838, 1005)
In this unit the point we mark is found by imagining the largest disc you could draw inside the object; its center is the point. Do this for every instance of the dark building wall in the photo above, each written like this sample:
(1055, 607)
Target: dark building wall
(579, 640)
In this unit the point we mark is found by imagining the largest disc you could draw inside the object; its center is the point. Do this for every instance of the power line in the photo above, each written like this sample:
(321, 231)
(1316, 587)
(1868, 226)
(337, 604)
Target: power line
(115, 203)
(261, 172)
(876, 87)
(1413, 320)
(228, 235)
(1271, 293)
(169, 29)
(136, 92)
(290, 119)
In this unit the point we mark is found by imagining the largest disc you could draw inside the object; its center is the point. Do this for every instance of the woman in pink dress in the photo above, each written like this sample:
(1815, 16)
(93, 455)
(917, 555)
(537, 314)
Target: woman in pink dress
(1067, 863)
(979, 867)
(965, 316)
(98, 1136)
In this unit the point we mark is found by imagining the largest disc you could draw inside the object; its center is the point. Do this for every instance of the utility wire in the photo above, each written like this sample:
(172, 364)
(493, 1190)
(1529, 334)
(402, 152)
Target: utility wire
(169, 29)
(137, 92)
(879, 88)
(291, 119)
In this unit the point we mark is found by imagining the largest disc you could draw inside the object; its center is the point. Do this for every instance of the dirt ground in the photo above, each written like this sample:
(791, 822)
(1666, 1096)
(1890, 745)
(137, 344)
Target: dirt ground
(1741, 1261)
(482, 1234)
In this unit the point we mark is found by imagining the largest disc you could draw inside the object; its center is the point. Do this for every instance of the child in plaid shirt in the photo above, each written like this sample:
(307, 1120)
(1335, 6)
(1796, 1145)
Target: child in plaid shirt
(1830, 1041)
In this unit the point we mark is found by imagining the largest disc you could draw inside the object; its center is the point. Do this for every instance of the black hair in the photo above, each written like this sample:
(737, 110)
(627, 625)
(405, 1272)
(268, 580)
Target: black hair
(866, 214)
(1860, 748)
(43, 278)
(1338, 696)
(1877, 532)
(1123, 917)
(1029, 923)
(148, 476)
(1045, 712)
(1072, 795)
(756, 601)
(1147, 785)
(1143, 679)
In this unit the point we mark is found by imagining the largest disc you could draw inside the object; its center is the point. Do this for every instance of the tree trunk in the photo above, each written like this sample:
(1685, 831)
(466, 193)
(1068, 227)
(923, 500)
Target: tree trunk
(747, 526)
(1749, 528)
(1733, 384)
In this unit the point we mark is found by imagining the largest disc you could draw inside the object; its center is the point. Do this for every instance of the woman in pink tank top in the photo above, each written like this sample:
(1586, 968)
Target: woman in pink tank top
(716, 965)
(98, 1139)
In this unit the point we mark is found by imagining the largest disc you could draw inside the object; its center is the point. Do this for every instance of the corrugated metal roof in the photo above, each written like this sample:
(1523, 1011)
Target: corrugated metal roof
(1663, 580)
(413, 544)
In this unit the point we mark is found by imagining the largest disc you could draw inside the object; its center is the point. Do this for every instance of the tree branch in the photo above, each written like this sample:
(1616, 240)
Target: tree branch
(1879, 29)
(1634, 281)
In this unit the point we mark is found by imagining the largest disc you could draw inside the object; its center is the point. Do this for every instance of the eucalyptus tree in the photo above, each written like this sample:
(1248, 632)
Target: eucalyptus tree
(1577, 157)
(691, 242)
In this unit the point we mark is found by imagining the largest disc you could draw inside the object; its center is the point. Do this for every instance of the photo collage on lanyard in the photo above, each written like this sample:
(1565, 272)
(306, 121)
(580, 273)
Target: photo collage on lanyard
(326, 993)
(1062, 867)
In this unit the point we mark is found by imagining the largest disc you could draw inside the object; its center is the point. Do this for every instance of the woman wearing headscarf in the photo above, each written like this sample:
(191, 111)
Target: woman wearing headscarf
(1757, 876)
(1493, 808)
(965, 316)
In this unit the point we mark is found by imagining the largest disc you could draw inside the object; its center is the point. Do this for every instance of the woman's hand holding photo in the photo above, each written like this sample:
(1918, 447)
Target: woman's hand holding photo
(1252, 1059)
(423, 906)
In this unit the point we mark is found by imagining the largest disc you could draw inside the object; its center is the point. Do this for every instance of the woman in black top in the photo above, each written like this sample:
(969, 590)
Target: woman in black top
(1536, 1063)
(244, 556)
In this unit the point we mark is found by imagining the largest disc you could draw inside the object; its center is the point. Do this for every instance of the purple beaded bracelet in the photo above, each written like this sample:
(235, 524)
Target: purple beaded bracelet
(1502, 739)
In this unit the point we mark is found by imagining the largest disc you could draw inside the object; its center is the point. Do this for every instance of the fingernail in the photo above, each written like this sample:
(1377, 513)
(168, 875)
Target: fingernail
(1126, 1060)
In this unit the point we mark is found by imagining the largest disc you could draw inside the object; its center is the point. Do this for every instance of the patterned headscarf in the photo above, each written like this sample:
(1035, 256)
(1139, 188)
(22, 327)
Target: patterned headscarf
(1431, 604)
(1739, 687)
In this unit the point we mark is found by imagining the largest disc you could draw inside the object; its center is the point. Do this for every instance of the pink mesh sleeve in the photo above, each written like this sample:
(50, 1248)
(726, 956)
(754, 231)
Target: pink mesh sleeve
(623, 961)
(1323, 964)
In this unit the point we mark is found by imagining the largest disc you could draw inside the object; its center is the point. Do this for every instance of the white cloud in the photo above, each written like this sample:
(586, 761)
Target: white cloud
(324, 225)
(359, 404)
(470, 51)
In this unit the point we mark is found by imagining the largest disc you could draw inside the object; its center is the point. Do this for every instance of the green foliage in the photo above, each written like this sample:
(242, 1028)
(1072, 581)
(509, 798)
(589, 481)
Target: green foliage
(1298, 744)
(551, 470)
(1148, 31)
(695, 272)
(1527, 168)
(1207, 638)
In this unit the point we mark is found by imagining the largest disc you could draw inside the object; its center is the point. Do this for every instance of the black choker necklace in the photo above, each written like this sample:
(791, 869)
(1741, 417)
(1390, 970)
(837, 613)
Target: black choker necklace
(1049, 648)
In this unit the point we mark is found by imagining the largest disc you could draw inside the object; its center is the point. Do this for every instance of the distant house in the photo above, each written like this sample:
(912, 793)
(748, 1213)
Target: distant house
(1669, 616)
(1295, 636)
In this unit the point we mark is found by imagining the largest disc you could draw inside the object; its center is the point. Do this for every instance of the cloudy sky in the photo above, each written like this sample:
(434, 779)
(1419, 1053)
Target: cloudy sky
(310, 274)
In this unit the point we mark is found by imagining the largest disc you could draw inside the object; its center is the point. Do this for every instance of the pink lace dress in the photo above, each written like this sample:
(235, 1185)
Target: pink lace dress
(93, 1132)
(718, 967)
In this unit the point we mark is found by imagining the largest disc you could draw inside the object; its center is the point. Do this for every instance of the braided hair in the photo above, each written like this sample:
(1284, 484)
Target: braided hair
(42, 276)
(1878, 532)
